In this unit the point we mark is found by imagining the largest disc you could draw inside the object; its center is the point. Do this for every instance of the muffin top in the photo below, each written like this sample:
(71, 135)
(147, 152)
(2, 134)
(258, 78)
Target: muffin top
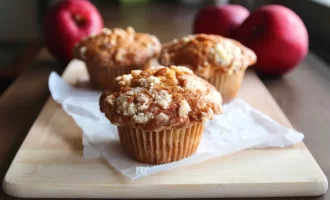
(118, 47)
(205, 54)
(160, 98)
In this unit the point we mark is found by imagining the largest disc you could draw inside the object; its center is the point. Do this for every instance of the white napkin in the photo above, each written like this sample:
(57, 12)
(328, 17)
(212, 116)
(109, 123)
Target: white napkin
(239, 127)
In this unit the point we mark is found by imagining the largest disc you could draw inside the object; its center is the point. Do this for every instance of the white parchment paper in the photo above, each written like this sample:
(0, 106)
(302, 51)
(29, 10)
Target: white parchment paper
(239, 127)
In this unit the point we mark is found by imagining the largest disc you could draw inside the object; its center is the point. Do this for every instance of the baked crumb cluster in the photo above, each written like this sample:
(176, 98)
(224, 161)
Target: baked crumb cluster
(118, 47)
(205, 53)
(160, 98)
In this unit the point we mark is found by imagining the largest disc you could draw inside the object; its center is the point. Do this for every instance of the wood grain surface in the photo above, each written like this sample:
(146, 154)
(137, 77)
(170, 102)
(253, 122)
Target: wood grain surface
(50, 162)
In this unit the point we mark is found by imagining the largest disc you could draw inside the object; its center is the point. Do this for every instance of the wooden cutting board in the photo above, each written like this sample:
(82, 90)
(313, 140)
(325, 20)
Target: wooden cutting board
(50, 163)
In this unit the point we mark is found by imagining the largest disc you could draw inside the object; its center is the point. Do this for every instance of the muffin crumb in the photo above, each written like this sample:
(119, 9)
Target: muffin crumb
(207, 115)
(83, 50)
(106, 31)
(135, 73)
(162, 117)
(152, 80)
(163, 98)
(143, 102)
(193, 84)
(222, 55)
(141, 117)
(184, 108)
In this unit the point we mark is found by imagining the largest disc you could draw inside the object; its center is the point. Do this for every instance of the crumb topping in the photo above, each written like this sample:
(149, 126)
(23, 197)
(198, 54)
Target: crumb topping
(83, 51)
(163, 98)
(204, 53)
(162, 117)
(106, 31)
(160, 98)
(118, 47)
(184, 108)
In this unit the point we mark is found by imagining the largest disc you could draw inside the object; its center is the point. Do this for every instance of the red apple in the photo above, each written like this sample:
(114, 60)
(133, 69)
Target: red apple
(67, 23)
(277, 35)
(220, 20)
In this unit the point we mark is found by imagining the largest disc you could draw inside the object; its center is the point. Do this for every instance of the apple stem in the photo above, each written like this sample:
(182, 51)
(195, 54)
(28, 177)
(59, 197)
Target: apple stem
(78, 19)
(256, 31)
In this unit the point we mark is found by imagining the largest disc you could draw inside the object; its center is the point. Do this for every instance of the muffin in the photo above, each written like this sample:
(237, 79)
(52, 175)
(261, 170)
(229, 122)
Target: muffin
(112, 53)
(160, 112)
(219, 60)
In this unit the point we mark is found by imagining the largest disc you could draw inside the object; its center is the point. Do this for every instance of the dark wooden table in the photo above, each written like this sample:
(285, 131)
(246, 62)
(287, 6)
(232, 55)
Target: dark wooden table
(303, 94)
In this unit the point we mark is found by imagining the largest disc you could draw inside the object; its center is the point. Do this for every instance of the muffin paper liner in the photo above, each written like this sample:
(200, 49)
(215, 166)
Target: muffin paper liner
(239, 127)
(227, 84)
(162, 146)
(102, 77)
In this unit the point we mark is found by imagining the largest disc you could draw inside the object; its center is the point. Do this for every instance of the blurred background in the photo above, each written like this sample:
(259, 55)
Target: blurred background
(21, 22)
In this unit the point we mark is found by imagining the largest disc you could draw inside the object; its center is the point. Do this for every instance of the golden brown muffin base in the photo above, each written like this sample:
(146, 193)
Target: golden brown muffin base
(160, 147)
(102, 78)
(227, 84)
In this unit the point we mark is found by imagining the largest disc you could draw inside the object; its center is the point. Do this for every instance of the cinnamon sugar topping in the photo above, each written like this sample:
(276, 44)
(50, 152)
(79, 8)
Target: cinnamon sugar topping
(118, 47)
(204, 53)
(160, 98)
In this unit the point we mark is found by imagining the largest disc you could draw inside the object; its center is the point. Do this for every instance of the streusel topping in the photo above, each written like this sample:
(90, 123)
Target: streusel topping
(118, 47)
(205, 53)
(160, 98)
